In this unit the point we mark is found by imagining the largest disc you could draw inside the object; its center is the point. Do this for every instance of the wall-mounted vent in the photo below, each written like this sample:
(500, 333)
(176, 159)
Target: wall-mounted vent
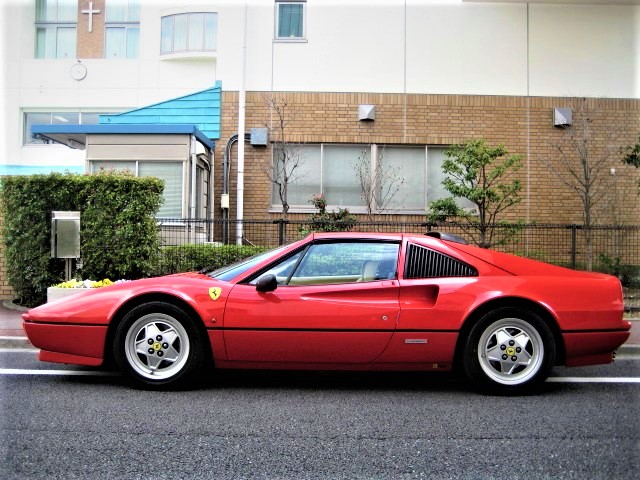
(366, 113)
(562, 117)
(426, 263)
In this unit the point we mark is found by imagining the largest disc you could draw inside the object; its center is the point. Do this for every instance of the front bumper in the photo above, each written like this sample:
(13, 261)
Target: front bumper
(67, 343)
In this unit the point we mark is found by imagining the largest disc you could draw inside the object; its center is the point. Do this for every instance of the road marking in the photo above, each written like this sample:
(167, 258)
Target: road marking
(89, 373)
(62, 373)
(19, 350)
(593, 379)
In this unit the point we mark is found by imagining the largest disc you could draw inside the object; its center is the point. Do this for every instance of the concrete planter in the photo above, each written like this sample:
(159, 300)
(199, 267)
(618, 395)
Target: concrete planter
(56, 293)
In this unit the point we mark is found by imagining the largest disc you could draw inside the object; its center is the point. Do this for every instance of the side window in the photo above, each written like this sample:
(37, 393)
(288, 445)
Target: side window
(339, 262)
(423, 262)
(281, 270)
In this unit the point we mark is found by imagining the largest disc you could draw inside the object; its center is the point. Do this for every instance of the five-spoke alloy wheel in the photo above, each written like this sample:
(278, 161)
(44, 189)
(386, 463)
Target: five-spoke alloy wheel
(509, 350)
(157, 344)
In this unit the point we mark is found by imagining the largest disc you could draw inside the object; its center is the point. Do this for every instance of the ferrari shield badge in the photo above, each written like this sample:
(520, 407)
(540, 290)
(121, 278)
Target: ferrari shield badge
(214, 293)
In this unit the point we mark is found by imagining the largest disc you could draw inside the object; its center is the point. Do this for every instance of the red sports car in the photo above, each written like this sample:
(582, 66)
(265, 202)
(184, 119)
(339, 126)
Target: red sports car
(346, 301)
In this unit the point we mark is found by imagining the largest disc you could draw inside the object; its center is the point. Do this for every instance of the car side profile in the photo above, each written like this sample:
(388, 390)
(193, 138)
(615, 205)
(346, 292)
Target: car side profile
(346, 301)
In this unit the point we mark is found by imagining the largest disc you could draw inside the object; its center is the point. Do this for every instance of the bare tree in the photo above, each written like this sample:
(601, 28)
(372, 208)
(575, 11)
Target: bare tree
(287, 157)
(585, 154)
(379, 184)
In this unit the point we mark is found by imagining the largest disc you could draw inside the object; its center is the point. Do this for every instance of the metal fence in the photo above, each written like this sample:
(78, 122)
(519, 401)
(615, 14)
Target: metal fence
(609, 247)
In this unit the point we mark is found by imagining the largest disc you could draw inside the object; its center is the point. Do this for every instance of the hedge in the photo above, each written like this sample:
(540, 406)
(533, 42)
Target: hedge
(119, 236)
(191, 257)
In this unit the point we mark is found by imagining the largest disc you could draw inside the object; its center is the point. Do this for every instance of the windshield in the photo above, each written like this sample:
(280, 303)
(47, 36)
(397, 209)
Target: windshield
(229, 272)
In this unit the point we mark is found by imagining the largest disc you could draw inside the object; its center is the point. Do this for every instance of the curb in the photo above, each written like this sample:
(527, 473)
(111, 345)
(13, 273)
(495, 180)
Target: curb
(9, 305)
(15, 342)
(628, 350)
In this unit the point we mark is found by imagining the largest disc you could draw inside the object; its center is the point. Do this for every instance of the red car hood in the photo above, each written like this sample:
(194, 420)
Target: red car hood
(97, 305)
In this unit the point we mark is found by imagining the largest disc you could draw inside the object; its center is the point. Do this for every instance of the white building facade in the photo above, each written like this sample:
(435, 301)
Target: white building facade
(67, 61)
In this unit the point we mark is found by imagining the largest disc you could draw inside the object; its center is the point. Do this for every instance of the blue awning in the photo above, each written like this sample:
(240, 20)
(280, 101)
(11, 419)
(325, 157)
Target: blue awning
(196, 114)
(201, 109)
(75, 136)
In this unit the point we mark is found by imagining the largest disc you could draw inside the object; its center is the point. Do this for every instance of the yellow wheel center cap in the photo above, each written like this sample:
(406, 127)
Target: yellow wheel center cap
(511, 351)
(157, 346)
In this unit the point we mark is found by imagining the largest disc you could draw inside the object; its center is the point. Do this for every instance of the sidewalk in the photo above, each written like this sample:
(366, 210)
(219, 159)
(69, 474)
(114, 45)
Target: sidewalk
(12, 335)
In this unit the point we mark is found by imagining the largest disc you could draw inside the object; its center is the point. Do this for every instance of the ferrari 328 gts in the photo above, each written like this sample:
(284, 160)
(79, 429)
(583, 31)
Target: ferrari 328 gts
(345, 301)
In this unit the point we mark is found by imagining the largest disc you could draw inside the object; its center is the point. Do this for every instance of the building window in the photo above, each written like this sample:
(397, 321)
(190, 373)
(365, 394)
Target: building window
(48, 118)
(290, 20)
(189, 32)
(170, 172)
(122, 29)
(409, 176)
(56, 22)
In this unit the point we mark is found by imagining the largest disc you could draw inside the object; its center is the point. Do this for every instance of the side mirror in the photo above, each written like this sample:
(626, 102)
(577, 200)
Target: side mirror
(267, 283)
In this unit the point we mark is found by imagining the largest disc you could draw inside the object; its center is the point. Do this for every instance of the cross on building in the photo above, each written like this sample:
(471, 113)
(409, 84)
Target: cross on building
(90, 11)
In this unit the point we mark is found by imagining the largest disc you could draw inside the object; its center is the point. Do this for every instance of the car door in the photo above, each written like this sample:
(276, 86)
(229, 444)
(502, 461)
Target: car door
(336, 302)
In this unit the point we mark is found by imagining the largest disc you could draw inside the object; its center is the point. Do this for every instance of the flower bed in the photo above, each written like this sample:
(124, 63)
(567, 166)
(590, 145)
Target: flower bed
(66, 289)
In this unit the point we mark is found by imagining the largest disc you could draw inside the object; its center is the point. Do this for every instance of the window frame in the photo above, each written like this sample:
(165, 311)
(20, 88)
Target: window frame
(96, 164)
(130, 23)
(290, 39)
(56, 24)
(172, 51)
(374, 150)
(25, 124)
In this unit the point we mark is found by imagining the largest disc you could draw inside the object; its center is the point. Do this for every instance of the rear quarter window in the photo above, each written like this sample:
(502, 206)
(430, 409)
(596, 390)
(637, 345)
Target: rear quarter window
(423, 262)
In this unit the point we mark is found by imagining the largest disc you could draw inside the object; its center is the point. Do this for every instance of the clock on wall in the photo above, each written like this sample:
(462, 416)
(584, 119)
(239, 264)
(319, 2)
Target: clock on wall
(78, 71)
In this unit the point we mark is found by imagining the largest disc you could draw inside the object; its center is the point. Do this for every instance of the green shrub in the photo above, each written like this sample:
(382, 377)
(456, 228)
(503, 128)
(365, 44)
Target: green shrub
(629, 275)
(119, 237)
(323, 221)
(190, 257)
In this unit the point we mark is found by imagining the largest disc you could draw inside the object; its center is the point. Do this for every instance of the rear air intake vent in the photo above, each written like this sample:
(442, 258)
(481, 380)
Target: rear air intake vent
(426, 263)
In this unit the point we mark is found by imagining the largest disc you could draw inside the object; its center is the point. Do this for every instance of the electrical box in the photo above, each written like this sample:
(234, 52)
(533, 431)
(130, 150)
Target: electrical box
(259, 137)
(224, 201)
(65, 234)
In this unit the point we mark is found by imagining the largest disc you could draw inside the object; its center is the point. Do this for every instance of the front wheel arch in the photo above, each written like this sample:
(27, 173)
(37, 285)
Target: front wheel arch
(126, 307)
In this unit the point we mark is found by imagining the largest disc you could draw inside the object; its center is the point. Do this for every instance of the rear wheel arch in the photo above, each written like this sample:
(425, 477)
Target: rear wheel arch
(126, 307)
(511, 302)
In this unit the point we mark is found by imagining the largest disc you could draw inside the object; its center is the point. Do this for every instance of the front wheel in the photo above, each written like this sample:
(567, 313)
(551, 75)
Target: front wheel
(158, 345)
(509, 350)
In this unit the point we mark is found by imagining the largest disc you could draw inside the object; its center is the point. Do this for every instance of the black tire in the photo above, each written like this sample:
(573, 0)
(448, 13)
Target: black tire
(158, 346)
(508, 351)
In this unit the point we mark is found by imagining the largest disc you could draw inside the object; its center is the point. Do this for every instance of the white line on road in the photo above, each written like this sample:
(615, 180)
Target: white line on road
(62, 373)
(89, 373)
(19, 350)
(593, 379)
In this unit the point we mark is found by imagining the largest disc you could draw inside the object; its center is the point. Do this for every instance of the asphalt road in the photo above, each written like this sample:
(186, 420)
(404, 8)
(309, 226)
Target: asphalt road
(68, 422)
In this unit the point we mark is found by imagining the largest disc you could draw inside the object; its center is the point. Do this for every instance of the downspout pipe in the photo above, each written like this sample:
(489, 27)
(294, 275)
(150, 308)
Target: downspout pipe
(226, 183)
(241, 124)
(193, 158)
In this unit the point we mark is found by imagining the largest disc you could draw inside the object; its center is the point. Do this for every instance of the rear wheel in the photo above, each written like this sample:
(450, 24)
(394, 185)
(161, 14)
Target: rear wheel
(158, 345)
(509, 350)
